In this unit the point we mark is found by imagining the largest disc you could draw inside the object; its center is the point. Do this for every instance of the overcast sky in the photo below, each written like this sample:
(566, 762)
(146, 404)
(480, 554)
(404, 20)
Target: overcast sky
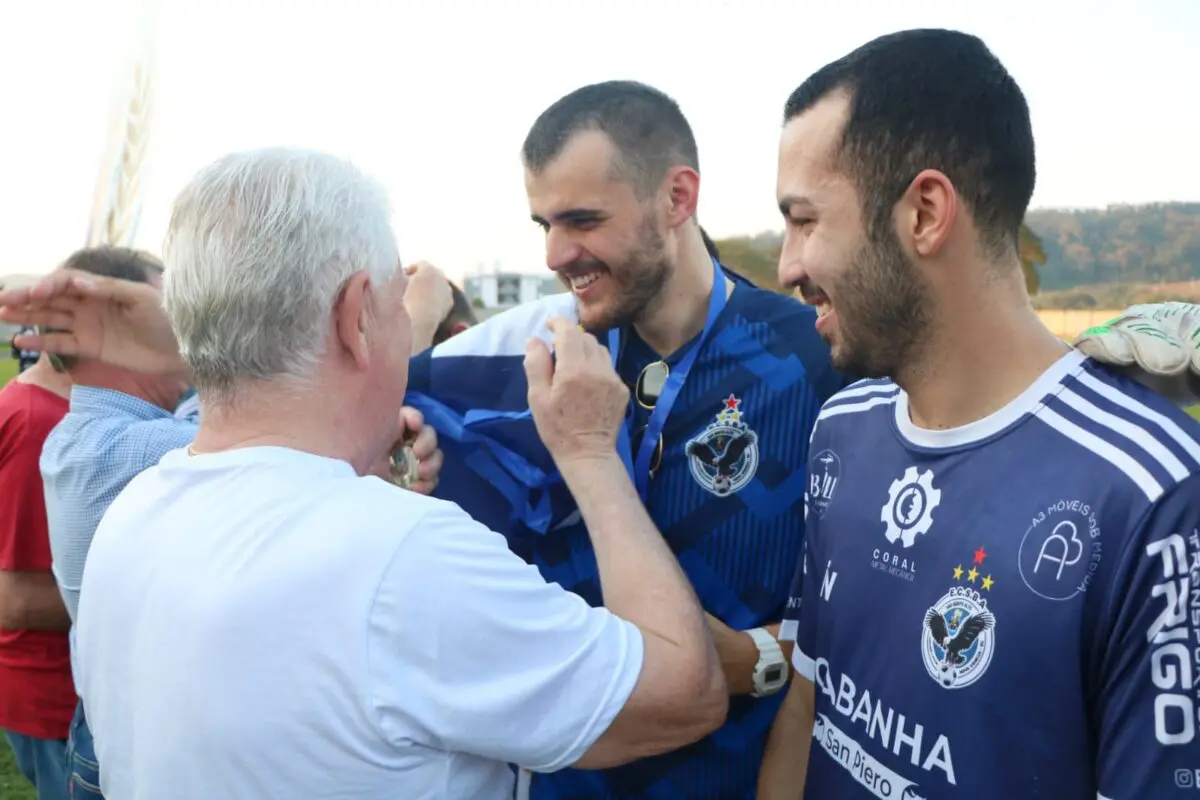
(434, 98)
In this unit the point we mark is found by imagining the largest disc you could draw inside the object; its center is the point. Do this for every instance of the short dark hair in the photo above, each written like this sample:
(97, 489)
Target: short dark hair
(460, 313)
(123, 263)
(932, 99)
(646, 127)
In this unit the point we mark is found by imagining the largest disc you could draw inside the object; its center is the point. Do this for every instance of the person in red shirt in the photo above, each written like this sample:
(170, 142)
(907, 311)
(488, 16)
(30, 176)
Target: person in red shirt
(37, 696)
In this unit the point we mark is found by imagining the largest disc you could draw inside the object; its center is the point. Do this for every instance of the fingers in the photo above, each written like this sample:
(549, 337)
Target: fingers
(424, 487)
(45, 317)
(18, 284)
(430, 467)
(21, 290)
(59, 342)
(570, 343)
(539, 370)
(412, 419)
(426, 443)
(92, 287)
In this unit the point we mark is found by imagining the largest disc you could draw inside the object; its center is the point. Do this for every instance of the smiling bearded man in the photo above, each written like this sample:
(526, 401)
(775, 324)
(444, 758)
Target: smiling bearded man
(726, 380)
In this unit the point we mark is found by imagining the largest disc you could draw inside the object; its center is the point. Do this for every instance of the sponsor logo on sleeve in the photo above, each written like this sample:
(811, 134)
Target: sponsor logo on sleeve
(1061, 550)
(1174, 636)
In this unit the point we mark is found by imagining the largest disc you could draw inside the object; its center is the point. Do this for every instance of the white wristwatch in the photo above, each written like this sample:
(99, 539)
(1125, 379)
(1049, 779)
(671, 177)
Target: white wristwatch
(771, 671)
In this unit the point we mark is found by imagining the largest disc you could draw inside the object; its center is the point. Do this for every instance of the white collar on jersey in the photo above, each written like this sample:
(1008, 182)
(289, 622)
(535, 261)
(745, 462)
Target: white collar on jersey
(1028, 402)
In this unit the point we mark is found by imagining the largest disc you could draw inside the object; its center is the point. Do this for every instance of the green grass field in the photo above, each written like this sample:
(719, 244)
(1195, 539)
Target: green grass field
(13, 785)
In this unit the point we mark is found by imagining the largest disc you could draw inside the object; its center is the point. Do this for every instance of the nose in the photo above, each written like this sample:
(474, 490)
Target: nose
(561, 248)
(791, 269)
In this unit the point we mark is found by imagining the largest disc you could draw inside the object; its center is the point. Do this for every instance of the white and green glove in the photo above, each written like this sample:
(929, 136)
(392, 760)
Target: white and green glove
(1156, 343)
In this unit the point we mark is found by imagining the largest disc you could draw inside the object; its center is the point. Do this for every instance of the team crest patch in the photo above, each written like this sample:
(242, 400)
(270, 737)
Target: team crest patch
(724, 456)
(958, 636)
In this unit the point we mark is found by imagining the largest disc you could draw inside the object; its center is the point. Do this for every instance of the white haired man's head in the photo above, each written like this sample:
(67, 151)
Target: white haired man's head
(282, 270)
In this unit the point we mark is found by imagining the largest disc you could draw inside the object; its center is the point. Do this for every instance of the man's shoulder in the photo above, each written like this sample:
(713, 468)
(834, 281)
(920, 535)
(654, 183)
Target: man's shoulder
(756, 304)
(863, 402)
(774, 335)
(1145, 444)
(30, 404)
(84, 437)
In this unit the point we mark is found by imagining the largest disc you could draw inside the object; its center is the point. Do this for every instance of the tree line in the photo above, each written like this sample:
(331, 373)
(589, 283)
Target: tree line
(1145, 245)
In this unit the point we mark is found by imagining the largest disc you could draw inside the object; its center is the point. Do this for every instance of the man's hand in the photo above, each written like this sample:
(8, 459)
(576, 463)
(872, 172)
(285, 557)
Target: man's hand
(422, 442)
(106, 319)
(428, 301)
(577, 399)
(1157, 344)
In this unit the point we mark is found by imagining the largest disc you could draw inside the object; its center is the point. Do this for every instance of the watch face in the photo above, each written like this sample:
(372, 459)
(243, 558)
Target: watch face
(773, 673)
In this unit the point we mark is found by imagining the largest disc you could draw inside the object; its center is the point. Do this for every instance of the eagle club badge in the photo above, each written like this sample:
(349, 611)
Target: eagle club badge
(959, 635)
(724, 456)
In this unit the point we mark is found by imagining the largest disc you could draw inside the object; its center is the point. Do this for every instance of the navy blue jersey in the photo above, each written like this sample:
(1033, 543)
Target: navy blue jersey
(761, 376)
(1004, 610)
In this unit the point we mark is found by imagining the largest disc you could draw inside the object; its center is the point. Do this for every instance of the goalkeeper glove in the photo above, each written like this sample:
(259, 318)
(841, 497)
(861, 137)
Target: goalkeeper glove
(1158, 344)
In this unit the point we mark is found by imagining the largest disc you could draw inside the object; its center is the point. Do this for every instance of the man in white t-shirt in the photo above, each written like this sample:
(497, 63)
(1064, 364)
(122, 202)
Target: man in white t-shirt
(262, 617)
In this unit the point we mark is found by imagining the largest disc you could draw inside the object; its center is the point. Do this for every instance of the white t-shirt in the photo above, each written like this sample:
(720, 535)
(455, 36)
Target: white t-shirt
(265, 623)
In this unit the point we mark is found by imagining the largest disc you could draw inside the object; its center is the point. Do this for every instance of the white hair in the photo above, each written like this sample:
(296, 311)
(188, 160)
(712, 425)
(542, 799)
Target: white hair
(259, 246)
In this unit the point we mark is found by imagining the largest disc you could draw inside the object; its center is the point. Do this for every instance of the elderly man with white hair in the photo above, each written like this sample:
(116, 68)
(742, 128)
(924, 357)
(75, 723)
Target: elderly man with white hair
(261, 616)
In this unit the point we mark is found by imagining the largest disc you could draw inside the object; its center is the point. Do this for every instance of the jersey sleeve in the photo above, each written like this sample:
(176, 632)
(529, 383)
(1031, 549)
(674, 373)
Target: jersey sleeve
(24, 539)
(799, 623)
(472, 651)
(1150, 690)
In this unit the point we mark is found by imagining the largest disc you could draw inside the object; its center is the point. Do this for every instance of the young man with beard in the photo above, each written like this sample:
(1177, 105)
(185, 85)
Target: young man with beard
(994, 600)
(726, 381)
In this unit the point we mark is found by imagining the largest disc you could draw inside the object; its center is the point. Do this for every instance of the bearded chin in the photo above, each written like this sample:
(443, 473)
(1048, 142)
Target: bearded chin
(888, 320)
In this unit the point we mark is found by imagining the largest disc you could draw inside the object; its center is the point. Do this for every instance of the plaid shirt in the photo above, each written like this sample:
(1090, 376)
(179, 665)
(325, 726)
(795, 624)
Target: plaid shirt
(103, 442)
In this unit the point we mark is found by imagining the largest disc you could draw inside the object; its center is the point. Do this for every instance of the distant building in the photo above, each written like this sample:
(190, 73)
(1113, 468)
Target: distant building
(499, 290)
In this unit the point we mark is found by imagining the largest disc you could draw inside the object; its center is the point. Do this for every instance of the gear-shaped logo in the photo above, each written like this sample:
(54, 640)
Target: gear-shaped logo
(908, 511)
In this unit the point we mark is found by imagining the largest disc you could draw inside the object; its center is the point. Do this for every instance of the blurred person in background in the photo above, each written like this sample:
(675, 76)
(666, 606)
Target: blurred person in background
(438, 309)
(460, 317)
(353, 674)
(37, 696)
(24, 358)
(120, 422)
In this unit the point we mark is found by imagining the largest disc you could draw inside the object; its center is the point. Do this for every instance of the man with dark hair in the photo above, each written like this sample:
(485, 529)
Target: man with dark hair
(725, 380)
(646, 129)
(1000, 539)
(120, 422)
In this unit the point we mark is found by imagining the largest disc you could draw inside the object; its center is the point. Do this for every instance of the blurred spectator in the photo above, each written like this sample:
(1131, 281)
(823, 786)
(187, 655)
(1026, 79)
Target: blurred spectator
(461, 317)
(120, 422)
(37, 696)
(24, 358)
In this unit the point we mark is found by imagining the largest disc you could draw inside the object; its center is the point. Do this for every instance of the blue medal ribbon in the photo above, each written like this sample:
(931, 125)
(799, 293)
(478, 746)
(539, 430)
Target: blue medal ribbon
(639, 469)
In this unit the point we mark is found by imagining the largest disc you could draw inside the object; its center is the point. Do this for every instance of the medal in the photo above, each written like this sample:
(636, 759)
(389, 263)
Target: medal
(404, 467)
